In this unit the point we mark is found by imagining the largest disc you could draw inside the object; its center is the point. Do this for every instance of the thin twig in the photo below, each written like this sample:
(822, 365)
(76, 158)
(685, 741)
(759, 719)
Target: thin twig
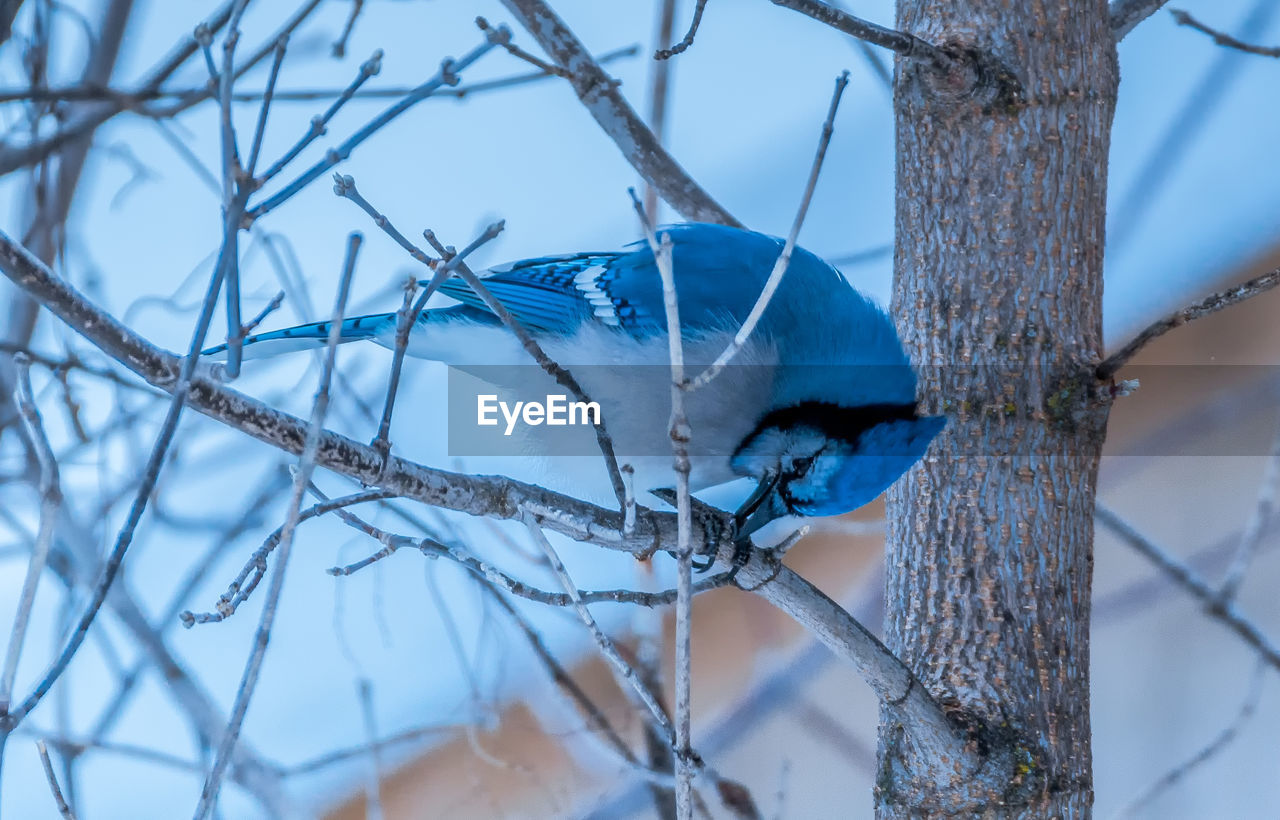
(61, 802)
(863, 256)
(59, 367)
(339, 49)
(251, 517)
(594, 716)
(659, 91)
(133, 99)
(50, 502)
(146, 486)
(1210, 304)
(784, 258)
(334, 758)
(520, 54)
(1185, 577)
(408, 316)
(1212, 748)
(1126, 14)
(320, 123)
(599, 93)
(271, 307)
(267, 96)
(680, 433)
(628, 499)
(234, 195)
(251, 574)
(875, 60)
(372, 788)
(1180, 134)
(19, 157)
(623, 670)
(447, 75)
(306, 464)
(494, 577)
(905, 45)
(1222, 38)
(1251, 535)
(680, 47)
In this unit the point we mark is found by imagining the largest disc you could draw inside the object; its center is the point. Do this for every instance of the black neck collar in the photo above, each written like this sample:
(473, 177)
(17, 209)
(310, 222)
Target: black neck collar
(833, 420)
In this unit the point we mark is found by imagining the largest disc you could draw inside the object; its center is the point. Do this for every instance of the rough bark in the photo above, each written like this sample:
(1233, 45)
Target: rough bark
(1001, 195)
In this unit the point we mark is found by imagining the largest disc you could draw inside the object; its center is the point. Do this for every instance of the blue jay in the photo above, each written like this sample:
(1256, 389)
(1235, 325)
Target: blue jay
(819, 407)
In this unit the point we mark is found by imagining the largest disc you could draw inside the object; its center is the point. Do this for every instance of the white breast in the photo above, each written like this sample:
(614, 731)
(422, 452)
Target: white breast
(630, 379)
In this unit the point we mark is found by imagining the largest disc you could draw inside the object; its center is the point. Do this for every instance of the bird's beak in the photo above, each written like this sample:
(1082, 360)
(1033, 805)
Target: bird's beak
(761, 507)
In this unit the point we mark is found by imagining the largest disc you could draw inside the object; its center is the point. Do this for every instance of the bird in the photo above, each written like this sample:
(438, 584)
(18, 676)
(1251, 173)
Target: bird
(818, 407)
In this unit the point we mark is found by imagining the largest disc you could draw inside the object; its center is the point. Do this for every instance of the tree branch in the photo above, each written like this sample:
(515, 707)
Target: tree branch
(1221, 38)
(1210, 304)
(680, 47)
(19, 157)
(306, 465)
(907, 46)
(1214, 605)
(599, 93)
(1125, 14)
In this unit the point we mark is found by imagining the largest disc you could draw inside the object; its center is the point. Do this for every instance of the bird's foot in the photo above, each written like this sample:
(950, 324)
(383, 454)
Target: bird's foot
(701, 563)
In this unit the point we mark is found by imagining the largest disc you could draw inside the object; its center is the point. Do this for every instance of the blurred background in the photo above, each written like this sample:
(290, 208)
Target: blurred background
(403, 680)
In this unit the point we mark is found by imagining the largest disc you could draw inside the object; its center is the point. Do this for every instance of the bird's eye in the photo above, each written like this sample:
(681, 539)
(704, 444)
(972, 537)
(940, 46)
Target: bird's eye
(800, 466)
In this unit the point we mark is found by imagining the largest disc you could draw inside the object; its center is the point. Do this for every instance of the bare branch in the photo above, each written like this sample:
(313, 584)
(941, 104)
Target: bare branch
(680, 435)
(1210, 304)
(19, 157)
(181, 387)
(319, 124)
(267, 95)
(407, 316)
(599, 93)
(495, 577)
(446, 76)
(328, 759)
(595, 717)
(659, 91)
(1189, 581)
(1251, 535)
(373, 782)
(306, 464)
(50, 502)
(1180, 135)
(1126, 14)
(625, 673)
(907, 46)
(683, 45)
(1222, 38)
(780, 266)
(520, 54)
(58, 799)
(339, 49)
(1222, 741)
(235, 193)
(128, 100)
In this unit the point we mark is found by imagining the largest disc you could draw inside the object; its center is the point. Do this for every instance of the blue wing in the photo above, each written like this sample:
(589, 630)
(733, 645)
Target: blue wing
(558, 293)
(719, 273)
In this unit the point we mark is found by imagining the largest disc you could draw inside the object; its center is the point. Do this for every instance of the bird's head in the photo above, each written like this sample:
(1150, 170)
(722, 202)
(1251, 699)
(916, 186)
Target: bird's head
(815, 459)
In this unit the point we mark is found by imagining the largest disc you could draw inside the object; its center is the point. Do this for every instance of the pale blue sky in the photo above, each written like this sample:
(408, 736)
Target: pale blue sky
(748, 101)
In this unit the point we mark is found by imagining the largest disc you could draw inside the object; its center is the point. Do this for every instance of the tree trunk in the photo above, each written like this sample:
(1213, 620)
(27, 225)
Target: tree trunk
(1001, 194)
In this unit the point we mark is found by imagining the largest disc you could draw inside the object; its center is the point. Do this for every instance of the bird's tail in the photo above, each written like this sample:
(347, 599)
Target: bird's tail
(315, 334)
